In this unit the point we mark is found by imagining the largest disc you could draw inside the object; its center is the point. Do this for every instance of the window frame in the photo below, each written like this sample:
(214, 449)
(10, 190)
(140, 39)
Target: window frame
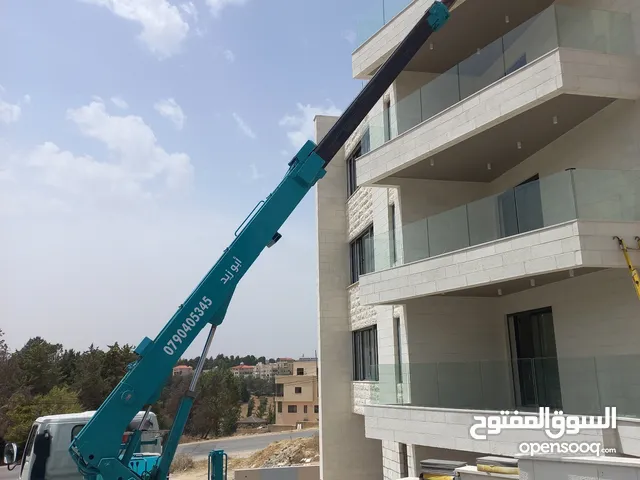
(392, 237)
(361, 254)
(386, 112)
(292, 408)
(365, 354)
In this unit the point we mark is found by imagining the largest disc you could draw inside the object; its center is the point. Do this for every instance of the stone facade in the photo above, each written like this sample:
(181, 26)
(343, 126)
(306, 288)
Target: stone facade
(431, 311)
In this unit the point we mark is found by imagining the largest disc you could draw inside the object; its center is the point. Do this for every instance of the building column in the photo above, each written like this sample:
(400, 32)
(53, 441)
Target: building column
(345, 452)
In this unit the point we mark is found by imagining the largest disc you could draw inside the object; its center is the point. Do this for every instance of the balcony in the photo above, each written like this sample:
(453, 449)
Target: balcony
(492, 246)
(376, 17)
(564, 64)
(386, 23)
(439, 399)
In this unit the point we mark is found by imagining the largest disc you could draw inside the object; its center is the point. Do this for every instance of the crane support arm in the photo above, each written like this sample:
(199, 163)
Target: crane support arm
(96, 448)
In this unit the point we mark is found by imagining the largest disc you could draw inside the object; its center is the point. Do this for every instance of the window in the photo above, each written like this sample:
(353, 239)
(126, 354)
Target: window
(305, 409)
(361, 253)
(29, 446)
(365, 142)
(392, 231)
(399, 349)
(315, 409)
(279, 390)
(351, 170)
(299, 371)
(535, 359)
(298, 389)
(386, 112)
(292, 409)
(279, 407)
(365, 354)
(76, 430)
(404, 460)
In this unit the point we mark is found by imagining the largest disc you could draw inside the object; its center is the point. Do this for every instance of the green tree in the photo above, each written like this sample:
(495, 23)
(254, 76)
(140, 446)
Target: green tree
(262, 407)
(4, 349)
(10, 382)
(167, 405)
(22, 410)
(115, 363)
(68, 365)
(38, 362)
(250, 406)
(271, 418)
(89, 384)
(217, 407)
(245, 395)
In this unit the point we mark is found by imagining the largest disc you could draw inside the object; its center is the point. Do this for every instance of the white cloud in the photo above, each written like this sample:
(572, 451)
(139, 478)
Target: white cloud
(255, 174)
(9, 112)
(137, 167)
(119, 102)
(190, 9)
(229, 56)
(26, 99)
(349, 36)
(300, 127)
(243, 126)
(170, 109)
(216, 6)
(163, 26)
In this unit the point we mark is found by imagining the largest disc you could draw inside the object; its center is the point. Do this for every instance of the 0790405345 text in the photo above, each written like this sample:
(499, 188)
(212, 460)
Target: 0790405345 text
(190, 321)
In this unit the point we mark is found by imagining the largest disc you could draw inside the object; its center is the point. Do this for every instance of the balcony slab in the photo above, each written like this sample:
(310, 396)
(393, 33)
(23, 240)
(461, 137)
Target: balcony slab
(506, 122)
(506, 265)
(449, 428)
(449, 46)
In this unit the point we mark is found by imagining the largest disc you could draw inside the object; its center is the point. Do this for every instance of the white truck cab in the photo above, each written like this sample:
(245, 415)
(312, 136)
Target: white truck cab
(46, 453)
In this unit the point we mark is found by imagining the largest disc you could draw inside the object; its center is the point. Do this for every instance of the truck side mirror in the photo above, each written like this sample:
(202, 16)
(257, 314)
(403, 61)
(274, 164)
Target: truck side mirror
(10, 453)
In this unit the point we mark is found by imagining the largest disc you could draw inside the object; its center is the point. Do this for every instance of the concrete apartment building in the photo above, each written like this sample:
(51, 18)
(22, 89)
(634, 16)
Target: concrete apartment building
(466, 255)
(297, 394)
(182, 370)
(265, 371)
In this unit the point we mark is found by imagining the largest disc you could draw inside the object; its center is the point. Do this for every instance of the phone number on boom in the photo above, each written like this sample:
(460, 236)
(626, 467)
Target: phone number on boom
(193, 318)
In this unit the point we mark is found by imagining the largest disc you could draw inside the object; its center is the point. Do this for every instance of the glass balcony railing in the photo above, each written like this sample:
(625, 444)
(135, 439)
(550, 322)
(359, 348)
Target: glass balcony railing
(600, 195)
(557, 26)
(377, 15)
(575, 385)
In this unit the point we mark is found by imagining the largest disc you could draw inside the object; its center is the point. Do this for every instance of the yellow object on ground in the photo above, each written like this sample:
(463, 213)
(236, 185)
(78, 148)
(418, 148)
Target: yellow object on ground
(498, 469)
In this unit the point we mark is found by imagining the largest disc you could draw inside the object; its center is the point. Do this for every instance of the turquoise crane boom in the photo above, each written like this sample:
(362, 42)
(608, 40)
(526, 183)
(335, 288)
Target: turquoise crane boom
(96, 449)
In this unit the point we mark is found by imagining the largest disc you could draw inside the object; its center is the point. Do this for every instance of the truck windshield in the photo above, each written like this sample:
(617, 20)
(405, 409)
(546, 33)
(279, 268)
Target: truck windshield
(29, 446)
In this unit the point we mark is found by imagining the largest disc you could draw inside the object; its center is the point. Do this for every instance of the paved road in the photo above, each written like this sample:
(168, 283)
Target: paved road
(246, 444)
(7, 475)
(200, 450)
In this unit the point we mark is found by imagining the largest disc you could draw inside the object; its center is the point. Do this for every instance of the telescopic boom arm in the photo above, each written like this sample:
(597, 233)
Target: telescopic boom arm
(96, 449)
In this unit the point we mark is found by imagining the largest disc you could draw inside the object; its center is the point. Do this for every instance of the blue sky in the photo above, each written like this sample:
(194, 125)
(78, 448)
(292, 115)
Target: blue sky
(135, 137)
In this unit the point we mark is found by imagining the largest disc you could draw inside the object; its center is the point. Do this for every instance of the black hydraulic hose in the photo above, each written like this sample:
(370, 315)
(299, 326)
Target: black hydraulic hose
(375, 88)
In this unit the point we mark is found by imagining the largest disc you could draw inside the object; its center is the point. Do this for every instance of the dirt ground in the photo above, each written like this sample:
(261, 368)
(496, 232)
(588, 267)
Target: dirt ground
(298, 451)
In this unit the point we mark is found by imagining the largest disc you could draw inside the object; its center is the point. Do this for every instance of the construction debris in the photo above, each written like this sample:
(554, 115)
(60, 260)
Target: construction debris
(296, 451)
